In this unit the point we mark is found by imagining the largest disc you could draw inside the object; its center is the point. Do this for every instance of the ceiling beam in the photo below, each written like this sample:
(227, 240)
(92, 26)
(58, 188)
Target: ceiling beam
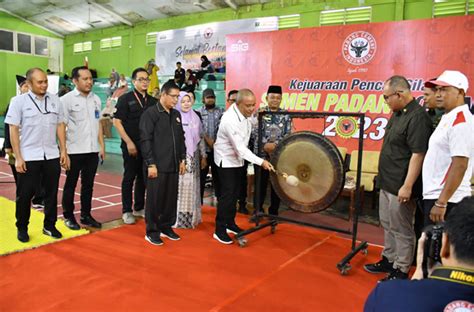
(114, 14)
(32, 23)
(232, 4)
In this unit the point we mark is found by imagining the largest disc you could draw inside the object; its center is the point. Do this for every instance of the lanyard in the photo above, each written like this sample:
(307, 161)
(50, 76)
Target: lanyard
(45, 105)
(456, 275)
(138, 99)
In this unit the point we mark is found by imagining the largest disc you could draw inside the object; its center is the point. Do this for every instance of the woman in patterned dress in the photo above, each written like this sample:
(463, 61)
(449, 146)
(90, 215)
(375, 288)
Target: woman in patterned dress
(189, 200)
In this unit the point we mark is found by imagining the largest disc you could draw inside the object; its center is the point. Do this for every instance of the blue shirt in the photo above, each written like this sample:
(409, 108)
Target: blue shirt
(430, 294)
(210, 121)
(38, 120)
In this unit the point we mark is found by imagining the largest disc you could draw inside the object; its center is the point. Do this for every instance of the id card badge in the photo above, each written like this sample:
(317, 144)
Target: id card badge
(97, 114)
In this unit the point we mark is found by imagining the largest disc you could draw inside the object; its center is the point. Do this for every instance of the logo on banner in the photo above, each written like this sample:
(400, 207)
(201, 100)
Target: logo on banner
(346, 127)
(208, 33)
(359, 48)
(240, 46)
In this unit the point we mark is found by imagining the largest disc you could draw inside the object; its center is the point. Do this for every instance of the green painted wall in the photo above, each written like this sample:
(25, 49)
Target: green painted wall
(12, 64)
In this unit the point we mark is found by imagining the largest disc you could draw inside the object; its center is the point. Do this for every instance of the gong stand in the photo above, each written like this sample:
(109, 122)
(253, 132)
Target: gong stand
(272, 220)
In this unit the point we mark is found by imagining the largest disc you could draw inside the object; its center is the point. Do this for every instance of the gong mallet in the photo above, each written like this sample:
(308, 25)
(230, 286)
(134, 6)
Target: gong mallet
(289, 179)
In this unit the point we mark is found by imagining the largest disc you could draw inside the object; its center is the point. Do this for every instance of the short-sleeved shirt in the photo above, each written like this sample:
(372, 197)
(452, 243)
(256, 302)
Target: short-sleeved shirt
(275, 128)
(38, 119)
(407, 133)
(210, 121)
(81, 115)
(130, 106)
(454, 136)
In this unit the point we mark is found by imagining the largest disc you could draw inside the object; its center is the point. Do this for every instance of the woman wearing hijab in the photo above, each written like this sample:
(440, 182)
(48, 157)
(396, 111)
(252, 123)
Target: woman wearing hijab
(189, 200)
(206, 67)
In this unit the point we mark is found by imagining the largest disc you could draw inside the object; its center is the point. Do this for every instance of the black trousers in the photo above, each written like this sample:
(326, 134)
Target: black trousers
(428, 204)
(230, 190)
(215, 176)
(274, 199)
(46, 171)
(39, 193)
(243, 186)
(161, 202)
(132, 174)
(86, 166)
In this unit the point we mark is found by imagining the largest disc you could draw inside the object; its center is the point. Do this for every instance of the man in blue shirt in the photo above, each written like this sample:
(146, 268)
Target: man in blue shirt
(450, 286)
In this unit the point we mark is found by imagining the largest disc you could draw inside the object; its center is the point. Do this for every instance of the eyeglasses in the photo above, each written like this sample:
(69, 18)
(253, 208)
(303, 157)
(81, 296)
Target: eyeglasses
(174, 96)
(386, 97)
(143, 79)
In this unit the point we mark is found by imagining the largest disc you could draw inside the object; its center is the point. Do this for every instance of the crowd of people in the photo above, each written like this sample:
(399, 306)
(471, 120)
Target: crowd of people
(168, 149)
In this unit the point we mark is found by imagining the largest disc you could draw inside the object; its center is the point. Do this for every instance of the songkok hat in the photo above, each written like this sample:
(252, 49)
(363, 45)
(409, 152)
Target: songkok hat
(274, 89)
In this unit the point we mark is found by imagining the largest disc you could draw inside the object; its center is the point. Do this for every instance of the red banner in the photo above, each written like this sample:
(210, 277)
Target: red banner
(343, 68)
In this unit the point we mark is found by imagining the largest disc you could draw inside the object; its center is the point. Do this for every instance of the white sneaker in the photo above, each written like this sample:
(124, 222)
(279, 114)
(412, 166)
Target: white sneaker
(128, 218)
(139, 213)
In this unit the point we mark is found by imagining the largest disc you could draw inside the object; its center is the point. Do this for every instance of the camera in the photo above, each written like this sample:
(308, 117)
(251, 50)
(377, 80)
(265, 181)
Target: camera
(432, 249)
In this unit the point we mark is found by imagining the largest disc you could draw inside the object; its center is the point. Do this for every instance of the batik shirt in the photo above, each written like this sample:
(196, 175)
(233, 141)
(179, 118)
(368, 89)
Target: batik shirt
(275, 128)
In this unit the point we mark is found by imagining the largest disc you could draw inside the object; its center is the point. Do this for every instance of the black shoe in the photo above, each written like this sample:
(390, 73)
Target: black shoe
(253, 219)
(396, 274)
(154, 240)
(223, 238)
(23, 236)
(383, 266)
(243, 209)
(72, 224)
(53, 232)
(233, 229)
(89, 221)
(170, 234)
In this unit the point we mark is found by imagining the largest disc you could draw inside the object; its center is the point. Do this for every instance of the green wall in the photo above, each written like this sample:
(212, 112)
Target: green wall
(12, 64)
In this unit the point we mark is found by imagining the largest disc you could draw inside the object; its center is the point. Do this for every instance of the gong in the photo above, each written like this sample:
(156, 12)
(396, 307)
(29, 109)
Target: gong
(317, 164)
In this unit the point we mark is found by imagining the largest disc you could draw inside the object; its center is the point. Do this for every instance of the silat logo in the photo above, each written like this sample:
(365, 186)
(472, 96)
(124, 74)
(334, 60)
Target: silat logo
(239, 46)
(359, 48)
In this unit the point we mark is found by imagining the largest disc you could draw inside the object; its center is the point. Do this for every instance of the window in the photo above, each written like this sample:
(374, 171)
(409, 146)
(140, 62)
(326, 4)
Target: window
(108, 43)
(443, 8)
(6, 40)
(116, 42)
(82, 47)
(23, 43)
(289, 21)
(41, 46)
(87, 46)
(347, 16)
(151, 38)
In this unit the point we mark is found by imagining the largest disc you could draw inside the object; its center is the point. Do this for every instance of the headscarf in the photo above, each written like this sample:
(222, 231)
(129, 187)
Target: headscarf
(191, 125)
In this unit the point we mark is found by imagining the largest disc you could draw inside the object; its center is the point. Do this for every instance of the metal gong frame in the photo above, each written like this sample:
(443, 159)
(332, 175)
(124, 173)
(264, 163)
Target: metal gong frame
(272, 220)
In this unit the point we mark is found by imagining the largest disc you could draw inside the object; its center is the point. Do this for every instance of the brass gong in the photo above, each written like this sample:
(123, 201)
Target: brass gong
(317, 164)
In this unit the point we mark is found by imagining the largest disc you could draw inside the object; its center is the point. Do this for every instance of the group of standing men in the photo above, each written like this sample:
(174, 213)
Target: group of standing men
(422, 158)
(42, 118)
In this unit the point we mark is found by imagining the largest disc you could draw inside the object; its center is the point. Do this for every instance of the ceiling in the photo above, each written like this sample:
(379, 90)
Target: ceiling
(73, 16)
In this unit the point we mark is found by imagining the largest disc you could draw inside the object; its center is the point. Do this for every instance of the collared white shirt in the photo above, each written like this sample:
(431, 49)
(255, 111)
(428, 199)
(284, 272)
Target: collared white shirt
(231, 146)
(452, 137)
(38, 120)
(81, 115)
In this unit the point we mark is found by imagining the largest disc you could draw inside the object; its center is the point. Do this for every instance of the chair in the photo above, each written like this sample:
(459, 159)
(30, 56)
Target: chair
(370, 164)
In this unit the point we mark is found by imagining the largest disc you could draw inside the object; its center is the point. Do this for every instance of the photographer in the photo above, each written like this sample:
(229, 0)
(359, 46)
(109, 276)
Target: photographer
(449, 286)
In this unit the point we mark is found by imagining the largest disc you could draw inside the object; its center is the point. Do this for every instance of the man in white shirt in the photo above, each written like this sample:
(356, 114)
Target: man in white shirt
(85, 143)
(36, 115)
(447, 168)
(230, 151)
